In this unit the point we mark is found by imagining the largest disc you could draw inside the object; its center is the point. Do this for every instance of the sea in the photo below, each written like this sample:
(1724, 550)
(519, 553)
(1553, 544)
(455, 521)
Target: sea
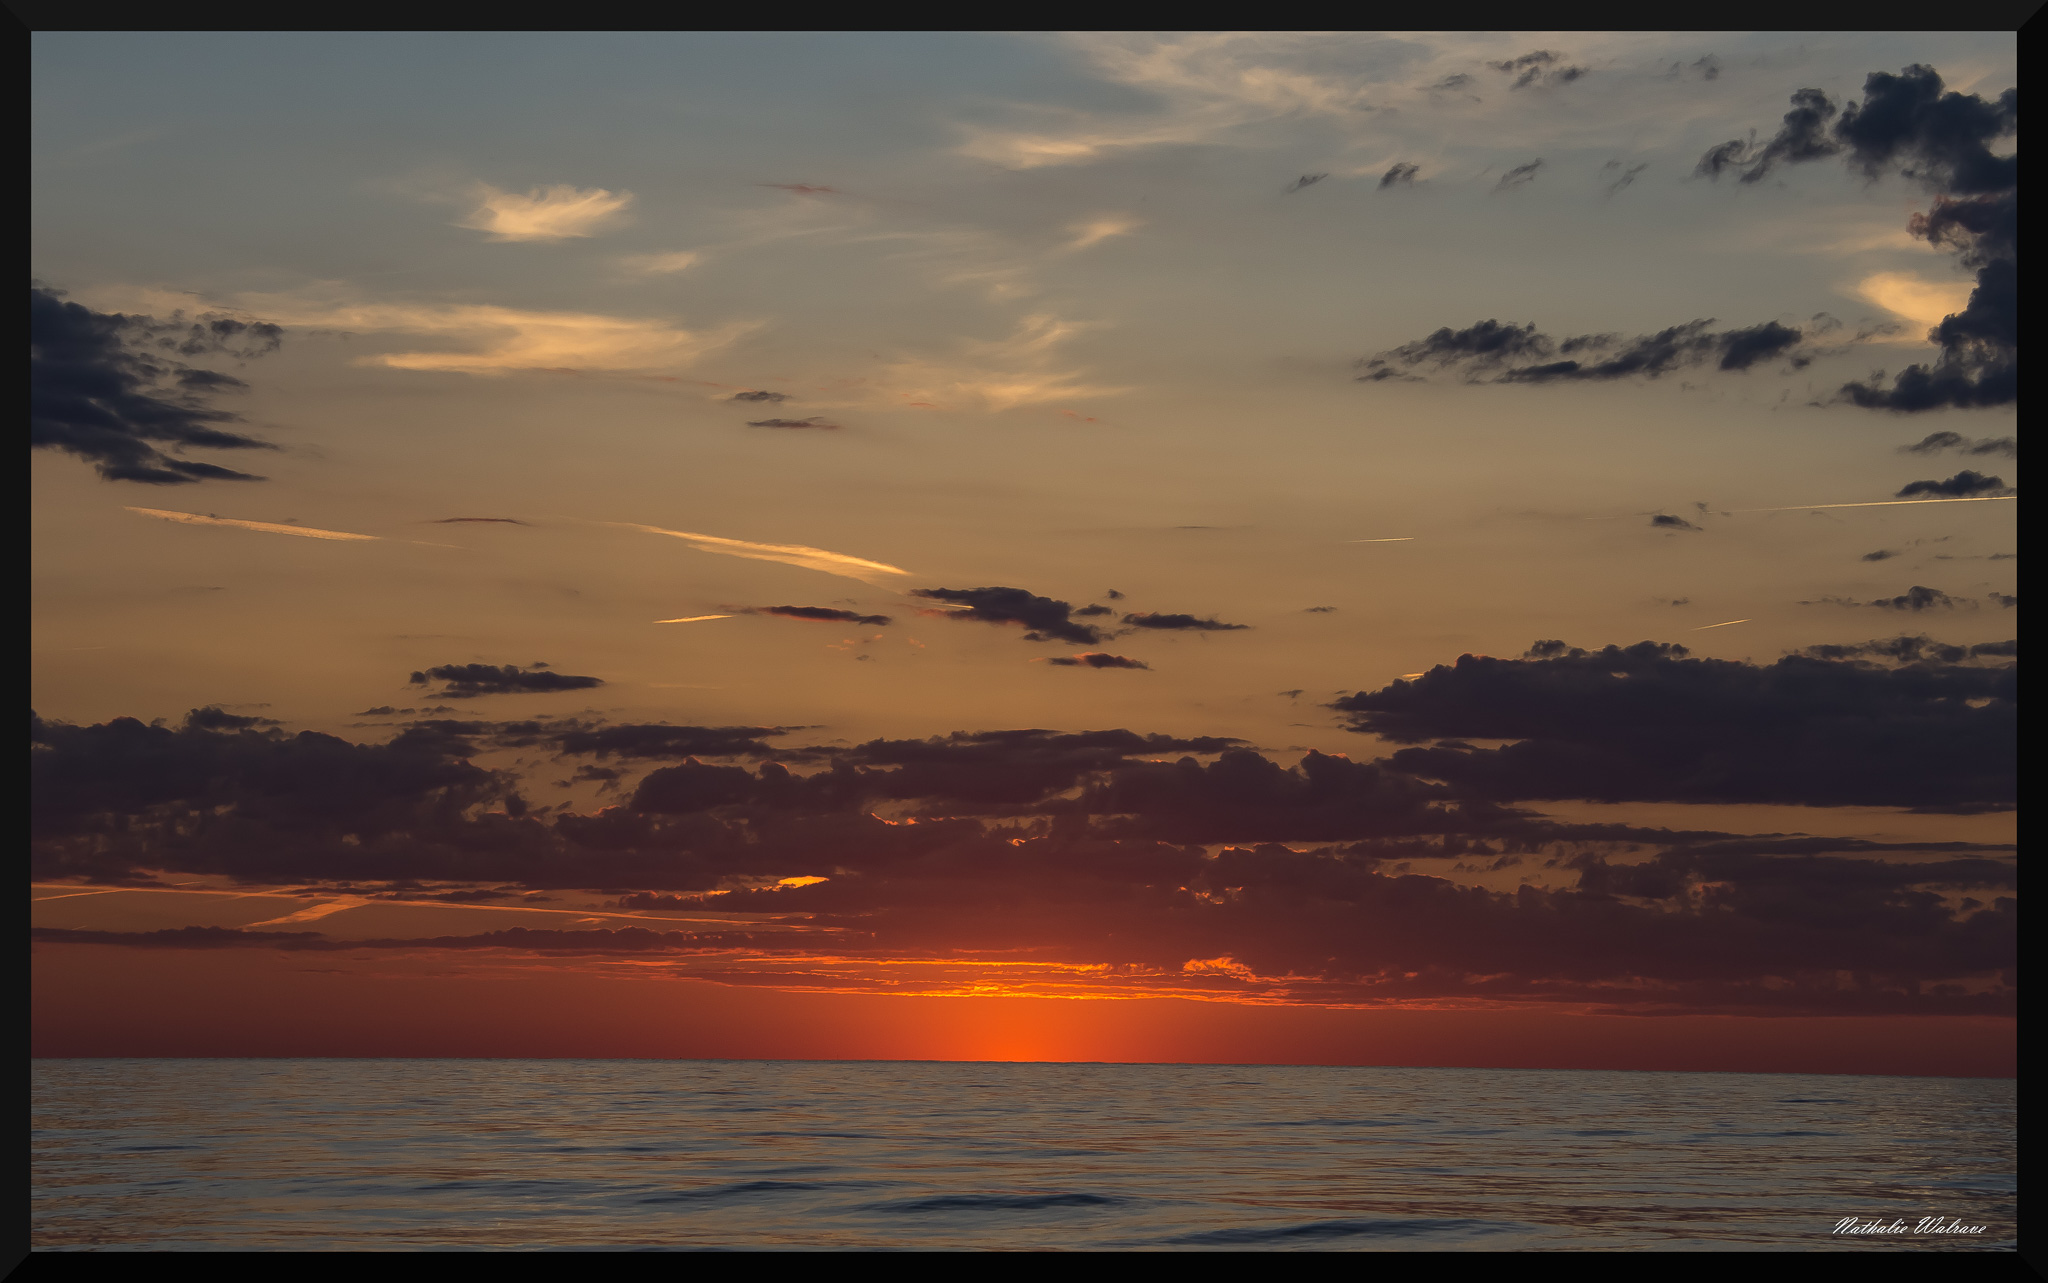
(694, 1155)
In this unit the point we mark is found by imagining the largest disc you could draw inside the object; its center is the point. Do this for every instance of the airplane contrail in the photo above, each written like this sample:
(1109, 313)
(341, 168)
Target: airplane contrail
(1396, 539)
(693, 619)
(1881, 503)
(832, 563)
(194, 519)
(1723, 624)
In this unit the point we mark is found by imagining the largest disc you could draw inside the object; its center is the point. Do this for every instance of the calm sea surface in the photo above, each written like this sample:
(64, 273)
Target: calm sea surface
(309, 1155)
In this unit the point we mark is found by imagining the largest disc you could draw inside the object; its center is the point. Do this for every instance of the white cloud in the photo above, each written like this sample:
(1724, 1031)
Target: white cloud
(545, 213)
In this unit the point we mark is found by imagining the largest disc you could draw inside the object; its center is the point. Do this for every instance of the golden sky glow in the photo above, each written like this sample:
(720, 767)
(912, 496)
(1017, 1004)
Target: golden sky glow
(1049, 391)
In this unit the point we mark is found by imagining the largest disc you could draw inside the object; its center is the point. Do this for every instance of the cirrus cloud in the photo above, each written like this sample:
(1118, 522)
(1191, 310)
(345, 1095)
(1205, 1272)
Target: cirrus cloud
(485, 339)
(557, 212)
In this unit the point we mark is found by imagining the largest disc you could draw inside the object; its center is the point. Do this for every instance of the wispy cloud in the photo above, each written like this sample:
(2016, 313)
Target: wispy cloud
(1213, 83)
(1370, 100)
(313, 913)
(551, 213)
(999, 375)
(832, 563)
(268, 527)
(491, 340)
(1094, 231)
(1879, 503)
(662, 264)
(1915, 298)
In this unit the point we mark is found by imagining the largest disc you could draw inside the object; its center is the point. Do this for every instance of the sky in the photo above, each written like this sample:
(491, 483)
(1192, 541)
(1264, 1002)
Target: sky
(1342, 548)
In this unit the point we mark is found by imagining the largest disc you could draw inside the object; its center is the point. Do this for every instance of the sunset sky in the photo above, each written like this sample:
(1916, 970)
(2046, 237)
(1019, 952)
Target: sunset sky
(1482, 549)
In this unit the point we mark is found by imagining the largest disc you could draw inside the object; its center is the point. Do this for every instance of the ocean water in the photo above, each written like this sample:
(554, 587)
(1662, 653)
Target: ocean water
(591, 1155)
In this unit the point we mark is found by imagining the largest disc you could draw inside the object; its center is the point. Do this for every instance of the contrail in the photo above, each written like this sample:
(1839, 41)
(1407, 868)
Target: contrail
(1396, 539)
(311, 912)
(832, 563)
(1723, 624)
(693, 619)
(194, 519)
(1881, 503)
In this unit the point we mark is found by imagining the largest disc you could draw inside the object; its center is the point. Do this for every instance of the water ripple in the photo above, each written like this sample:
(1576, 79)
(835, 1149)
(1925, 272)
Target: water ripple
(554, 1155)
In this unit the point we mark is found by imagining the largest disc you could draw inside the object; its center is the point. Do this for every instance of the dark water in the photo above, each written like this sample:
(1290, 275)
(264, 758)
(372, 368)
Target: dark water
(306, 1155)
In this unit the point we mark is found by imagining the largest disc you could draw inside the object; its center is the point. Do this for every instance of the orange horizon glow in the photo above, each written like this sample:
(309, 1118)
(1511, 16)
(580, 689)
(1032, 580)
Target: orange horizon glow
(98, 1000)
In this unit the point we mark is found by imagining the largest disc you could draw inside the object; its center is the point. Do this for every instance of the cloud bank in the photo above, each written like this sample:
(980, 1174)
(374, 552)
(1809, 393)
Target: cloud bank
(1127, 863)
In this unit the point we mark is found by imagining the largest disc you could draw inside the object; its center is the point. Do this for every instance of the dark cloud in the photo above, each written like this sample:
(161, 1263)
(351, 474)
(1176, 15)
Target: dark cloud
(1909, 124)
(822, 614)
(1519, 175)
(1803, 136)
(1045, 618)
(451, 521)
(111, 389)
(1306, 180)
(2005, 600)
(1098, 848)
(646, 740)
(1401, 174)
(1319, 610)
(1489, 352)
(1979, 358)
(1541, 67)
(1882, 554)
(1180, 623)
(988, 772)
(1096, 659)
(1244, 796)
(208, 795)
(1113, 594)
(216, 719)
(1489, 343)
(1936, 442)
(813, 422)
(1623, 175)
(623, 940)
(770, 397)
(1699, 928)
(467, 681)
(1916, 598)
(1456, 80)
(1094, 611)
(1649, 723)
(1665, 521)
(1914, 650)
(1963, 485)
